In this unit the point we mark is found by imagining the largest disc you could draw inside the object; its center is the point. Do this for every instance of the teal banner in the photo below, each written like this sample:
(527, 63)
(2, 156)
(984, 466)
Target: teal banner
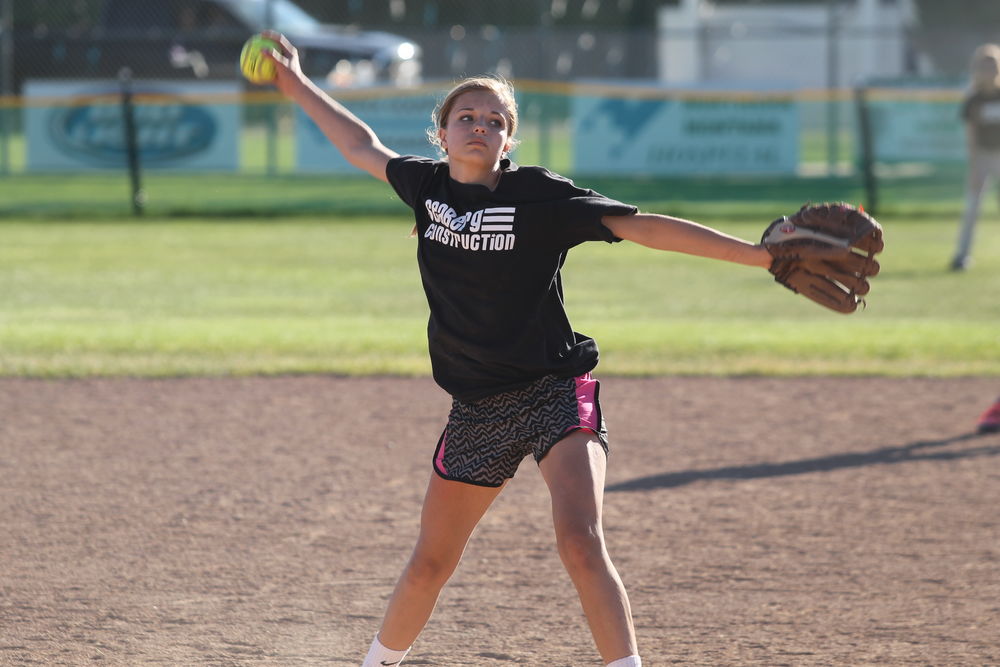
(653, 136)
(915, 130)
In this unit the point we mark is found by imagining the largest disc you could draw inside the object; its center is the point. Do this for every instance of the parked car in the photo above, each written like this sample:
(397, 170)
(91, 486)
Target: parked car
(171, 39)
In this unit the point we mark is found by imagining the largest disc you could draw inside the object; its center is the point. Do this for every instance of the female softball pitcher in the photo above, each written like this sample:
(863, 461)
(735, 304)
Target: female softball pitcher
(492, 237)
(981, 115)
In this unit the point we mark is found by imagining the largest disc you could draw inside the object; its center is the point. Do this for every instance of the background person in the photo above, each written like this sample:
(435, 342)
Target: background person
(989, 421)
(981, 115)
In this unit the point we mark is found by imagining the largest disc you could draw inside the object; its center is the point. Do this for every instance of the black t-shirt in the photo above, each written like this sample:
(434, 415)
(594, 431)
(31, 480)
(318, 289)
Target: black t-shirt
(489, 262)
(982, 110)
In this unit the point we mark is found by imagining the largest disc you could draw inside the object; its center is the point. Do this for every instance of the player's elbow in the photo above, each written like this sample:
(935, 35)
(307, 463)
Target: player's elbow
(371, 157)
(626, 227)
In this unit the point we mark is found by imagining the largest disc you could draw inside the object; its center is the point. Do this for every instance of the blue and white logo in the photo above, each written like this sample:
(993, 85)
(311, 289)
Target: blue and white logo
(93, 130)
(651, 132)
(82, 125)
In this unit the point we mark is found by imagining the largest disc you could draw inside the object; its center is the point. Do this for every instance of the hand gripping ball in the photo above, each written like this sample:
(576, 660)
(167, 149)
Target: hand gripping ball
(255, 67)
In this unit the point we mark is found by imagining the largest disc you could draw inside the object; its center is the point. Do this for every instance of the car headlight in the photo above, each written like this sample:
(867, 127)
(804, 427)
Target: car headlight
(406, 51)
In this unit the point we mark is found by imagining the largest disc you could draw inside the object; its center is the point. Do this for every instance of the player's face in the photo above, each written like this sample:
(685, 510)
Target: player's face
(477, 129)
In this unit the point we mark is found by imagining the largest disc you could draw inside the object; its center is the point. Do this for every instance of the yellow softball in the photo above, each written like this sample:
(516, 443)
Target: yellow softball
(255, 67)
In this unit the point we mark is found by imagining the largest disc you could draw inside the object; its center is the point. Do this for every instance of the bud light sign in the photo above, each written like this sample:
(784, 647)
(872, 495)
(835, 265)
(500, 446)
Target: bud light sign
(82, 125)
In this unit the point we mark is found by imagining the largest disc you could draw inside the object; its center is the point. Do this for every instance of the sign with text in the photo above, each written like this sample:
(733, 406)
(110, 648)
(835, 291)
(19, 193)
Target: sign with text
(914, 130)
(653, 136)
(72, 125)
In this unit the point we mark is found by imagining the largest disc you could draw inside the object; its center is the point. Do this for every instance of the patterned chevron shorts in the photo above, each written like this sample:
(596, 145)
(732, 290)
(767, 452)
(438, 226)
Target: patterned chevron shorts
(485, 441)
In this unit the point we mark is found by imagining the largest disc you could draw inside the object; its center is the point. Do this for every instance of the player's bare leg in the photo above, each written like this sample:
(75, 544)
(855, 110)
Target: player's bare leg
(450, 513)
(574, 470)
(976, 182)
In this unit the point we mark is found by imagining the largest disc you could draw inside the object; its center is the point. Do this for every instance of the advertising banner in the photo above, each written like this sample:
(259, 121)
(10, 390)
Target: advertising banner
(74, 125)
(399, 119)
(914, 130)
(657, 136)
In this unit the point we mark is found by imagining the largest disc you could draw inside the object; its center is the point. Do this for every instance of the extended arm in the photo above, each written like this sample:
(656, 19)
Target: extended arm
(352, 137)
(663, 232)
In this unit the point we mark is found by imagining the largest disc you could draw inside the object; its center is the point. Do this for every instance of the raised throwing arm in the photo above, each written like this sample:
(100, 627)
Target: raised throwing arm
(352, 137)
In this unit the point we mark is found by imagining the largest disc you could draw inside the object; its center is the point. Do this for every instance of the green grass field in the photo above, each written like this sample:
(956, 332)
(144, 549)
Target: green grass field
(931, 196)
(266, 271)
(341, 294)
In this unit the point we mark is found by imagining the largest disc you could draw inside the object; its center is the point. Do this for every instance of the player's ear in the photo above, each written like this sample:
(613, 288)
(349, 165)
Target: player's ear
(441, 134)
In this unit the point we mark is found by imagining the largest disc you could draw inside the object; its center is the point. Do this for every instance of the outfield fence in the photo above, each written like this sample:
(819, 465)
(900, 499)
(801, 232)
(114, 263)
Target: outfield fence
(214, 148)
(660, 103)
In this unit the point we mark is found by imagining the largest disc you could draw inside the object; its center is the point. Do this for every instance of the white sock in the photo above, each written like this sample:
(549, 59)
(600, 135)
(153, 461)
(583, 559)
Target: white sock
(630, 661)
(379, 655)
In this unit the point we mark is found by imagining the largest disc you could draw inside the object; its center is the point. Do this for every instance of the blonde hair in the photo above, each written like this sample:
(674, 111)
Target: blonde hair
(492, 83)
(982, 78)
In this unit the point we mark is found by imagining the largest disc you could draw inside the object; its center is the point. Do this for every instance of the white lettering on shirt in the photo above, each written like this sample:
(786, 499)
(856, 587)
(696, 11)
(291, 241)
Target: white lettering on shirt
(483, 230)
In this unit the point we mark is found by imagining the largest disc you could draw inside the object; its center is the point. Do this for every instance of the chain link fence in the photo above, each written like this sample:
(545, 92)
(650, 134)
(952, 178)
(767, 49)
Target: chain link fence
(533, 39)
(549, 47)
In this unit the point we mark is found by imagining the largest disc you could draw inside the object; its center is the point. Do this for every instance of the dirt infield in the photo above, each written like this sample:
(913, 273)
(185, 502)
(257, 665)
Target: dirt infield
(262, 521)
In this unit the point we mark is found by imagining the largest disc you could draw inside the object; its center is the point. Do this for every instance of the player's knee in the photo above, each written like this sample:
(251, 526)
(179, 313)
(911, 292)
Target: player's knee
(582, 549)
(429, 570)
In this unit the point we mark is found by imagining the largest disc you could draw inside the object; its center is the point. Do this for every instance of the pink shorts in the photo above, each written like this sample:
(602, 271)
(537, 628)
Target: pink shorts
(485, 441)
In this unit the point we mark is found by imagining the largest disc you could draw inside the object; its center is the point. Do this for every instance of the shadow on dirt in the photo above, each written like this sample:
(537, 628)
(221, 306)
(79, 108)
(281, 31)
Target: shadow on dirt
(925, 450)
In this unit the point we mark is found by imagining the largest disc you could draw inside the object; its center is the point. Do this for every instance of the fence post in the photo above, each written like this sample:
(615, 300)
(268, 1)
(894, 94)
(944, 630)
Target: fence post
(867, 152)
(131, 144)
(6, 80)
(832, 86)
(271, 142)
